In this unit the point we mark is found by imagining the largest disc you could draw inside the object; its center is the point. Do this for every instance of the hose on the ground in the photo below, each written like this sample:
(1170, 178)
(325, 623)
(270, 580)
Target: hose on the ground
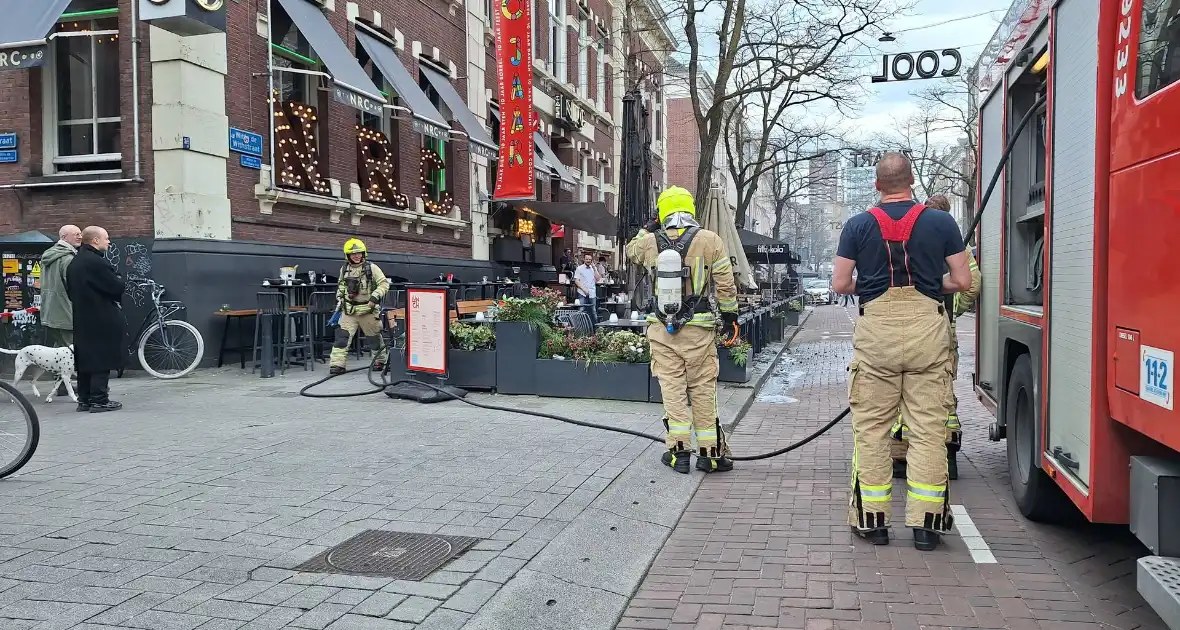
(380, 387)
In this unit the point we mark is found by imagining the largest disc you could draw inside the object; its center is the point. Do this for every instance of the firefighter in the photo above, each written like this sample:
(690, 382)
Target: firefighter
(900, 351)
(358, 296)
(960, 303)
(690, 262)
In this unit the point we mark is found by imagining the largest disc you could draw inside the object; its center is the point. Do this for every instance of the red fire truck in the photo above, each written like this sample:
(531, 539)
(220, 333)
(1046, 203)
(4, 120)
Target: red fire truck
(1079, 247)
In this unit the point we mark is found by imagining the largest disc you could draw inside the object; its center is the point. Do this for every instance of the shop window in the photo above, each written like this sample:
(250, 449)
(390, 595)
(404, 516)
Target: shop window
(1159, 47)
(436, 187)
(82, 88)
(377, 147)
(297, 119)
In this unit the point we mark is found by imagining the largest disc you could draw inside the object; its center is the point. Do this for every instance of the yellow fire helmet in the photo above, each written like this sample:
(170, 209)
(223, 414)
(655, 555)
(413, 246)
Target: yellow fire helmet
(354, 246)
(675, 199)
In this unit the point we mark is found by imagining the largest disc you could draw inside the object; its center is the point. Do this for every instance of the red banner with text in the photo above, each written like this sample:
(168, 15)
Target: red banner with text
(514, 63)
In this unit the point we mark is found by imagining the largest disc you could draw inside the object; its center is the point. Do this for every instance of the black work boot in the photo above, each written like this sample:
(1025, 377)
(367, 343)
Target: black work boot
(709, 460)
(336, 370)
(677, 460)
(926, 540)
(899, 469)
(877, 537)
(103, 407)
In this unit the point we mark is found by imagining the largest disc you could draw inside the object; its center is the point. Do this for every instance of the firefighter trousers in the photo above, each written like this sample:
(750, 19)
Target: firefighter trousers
(901, 355)
(685, 363)
(954, 430)
(370, 326)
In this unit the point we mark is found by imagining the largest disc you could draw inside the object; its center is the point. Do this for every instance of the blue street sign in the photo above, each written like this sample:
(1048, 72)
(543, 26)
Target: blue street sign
(187, 143)
(246, 142)
(249, 161)
(8, 140)
(8, 157)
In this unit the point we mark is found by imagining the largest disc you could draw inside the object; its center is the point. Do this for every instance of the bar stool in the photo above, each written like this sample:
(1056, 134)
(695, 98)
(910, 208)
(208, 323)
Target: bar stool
(321, 305)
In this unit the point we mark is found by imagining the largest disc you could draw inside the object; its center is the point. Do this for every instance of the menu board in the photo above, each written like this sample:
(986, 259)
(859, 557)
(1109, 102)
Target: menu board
(426, 330)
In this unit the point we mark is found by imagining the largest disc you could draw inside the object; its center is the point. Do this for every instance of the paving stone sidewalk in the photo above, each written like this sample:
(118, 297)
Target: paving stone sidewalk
(190, 508)
(767, 545)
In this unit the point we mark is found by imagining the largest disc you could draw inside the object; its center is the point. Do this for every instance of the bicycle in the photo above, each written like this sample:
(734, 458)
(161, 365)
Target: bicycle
(15, 452)
(167, 348)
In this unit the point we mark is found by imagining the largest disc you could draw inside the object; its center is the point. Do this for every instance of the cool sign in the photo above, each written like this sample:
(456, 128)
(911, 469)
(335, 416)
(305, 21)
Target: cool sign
(1155, 376)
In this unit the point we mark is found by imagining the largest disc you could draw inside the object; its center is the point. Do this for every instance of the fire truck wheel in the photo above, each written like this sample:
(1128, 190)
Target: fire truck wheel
(1037, 496)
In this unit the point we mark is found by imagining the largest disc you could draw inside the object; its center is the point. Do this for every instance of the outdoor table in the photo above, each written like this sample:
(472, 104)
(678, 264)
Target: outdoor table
(300, 294)
(626, 324)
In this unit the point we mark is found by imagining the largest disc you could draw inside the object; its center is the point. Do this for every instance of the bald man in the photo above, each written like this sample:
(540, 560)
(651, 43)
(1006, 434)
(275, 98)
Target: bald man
(96, 292)
(900, 351)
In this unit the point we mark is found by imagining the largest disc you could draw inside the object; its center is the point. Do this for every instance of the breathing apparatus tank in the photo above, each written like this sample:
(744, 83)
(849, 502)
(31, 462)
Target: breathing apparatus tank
(669, 285)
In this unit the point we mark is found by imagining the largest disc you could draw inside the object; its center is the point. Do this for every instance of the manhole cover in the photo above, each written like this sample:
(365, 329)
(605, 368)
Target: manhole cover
(397, 555)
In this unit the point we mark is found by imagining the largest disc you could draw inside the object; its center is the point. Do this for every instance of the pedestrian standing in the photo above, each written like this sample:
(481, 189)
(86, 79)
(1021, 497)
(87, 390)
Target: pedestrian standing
(901, 351)
(586, 278)
(683, 344)
(96, 293)
(57, 314)
(960, 303)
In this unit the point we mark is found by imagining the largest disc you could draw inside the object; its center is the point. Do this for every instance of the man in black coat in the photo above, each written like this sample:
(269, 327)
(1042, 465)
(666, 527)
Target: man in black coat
(96, 291)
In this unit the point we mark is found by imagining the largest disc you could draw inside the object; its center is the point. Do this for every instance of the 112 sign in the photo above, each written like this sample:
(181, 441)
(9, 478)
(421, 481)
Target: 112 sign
(1155, 377)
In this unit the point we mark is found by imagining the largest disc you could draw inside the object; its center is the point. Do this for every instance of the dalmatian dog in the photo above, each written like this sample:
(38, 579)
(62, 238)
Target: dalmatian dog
(57, 361)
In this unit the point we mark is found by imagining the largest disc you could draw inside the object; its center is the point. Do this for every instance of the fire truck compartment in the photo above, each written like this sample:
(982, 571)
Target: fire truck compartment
(1155, 512)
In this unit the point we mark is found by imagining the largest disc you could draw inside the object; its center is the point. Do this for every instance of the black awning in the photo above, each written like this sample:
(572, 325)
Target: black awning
(480, 142)
(764, 250)
(427, 120)
(24, 28)
(352, 85)
(546, 153)
(589, 217)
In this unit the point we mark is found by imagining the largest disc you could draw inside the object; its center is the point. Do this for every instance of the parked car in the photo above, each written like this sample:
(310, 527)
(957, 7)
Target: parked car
(819, 291)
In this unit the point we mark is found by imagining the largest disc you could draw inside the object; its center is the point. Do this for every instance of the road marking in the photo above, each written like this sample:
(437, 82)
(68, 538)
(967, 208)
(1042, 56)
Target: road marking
(980, 552)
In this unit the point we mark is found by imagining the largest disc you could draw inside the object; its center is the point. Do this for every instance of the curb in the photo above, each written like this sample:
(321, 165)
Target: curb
(737, 419)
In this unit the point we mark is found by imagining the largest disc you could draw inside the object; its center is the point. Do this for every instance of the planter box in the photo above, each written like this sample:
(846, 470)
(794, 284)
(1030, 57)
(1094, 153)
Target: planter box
(516, 357)
(654, 394)
(607, 381)
(472, 369)
(775, 329)
(731, 373)
(792, 318)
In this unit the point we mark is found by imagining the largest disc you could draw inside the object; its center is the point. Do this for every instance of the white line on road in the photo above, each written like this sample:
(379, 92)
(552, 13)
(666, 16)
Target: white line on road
(980, 552)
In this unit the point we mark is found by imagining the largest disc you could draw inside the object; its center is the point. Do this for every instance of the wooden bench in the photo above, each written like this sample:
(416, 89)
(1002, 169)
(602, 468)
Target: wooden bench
(470, 307)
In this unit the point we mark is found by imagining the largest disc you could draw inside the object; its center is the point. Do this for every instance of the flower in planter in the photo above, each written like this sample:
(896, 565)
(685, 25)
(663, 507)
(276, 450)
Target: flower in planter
(534, 311)
(624, 346)
(739, 353)
(472, 338)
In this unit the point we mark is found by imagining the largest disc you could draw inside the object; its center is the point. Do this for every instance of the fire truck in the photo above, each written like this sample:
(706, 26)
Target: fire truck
(1079, 247)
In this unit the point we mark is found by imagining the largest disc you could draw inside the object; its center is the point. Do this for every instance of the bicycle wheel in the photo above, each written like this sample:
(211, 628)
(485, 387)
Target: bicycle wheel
(19, 430)
(171, 350)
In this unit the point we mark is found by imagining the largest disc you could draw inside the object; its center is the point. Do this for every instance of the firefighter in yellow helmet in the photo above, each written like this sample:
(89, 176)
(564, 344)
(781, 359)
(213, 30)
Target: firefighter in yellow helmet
(358, 297)
(681, 327)
(956, 305)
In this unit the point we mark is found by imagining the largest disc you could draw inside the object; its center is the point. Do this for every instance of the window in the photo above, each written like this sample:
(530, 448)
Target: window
(583, 56)
(297, 121)
(600, 76)
(557, 37)
(1159, 47)
(537, 26)
(436, 190)
(82, 88)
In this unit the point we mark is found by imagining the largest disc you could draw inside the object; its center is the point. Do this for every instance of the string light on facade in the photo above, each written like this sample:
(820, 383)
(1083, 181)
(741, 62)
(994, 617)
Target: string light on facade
(297, 148)
(378, 174)
(432, 163)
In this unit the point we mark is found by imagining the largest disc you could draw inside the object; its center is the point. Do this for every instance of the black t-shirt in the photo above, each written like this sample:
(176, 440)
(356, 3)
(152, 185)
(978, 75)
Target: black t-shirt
(934, 237)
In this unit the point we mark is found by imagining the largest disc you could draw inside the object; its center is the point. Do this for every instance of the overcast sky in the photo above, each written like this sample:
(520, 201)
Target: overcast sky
(968, 31)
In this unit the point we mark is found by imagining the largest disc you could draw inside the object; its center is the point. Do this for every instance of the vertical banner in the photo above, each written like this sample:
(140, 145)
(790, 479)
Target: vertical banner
(514, 63)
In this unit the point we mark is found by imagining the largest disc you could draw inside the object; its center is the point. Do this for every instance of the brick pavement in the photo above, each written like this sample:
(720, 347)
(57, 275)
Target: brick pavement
(767, 545)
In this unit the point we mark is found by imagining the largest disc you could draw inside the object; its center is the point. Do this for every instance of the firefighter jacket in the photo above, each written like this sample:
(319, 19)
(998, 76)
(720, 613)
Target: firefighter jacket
(371, 284)
(964, 300)
(708, 264)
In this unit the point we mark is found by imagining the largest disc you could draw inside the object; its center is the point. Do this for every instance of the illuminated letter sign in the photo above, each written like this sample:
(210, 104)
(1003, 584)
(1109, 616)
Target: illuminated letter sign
(297, 149)
(927, 64)
(376, 170)
(514, 62)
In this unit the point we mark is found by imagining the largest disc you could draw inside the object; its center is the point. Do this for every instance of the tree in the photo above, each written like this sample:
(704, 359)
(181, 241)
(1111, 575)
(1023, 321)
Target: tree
(783, 48)
(790, 57)
(805, 226)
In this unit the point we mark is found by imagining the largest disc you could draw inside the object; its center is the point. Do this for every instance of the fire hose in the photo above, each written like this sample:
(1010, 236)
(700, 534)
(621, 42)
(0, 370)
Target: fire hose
(730, 340)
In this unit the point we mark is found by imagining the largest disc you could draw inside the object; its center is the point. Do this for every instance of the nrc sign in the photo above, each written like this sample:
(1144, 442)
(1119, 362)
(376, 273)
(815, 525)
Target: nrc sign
(927, 64)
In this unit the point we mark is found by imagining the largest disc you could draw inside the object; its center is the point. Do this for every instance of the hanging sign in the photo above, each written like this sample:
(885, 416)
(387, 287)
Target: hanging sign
(514, 63)
(927, 64)
(426, 330)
